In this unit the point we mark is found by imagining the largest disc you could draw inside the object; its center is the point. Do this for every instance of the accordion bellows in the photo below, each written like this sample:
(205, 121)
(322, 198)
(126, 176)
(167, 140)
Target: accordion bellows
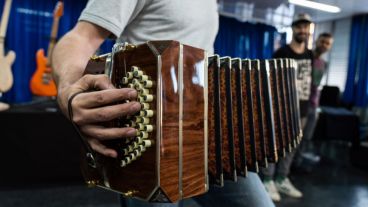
(203, 119)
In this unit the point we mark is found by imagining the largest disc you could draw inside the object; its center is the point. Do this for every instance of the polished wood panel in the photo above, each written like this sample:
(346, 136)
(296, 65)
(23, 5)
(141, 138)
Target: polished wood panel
(276, 100)
(230, 118)
(257, 114)
(292, 103)
(283, 107)
(214, 122)
(287, 104)
(224, 123)
(169, 86)
(289, 101)
(194, 180)
(239, 134)
(267, 108)
(248, 118)
(265, 128)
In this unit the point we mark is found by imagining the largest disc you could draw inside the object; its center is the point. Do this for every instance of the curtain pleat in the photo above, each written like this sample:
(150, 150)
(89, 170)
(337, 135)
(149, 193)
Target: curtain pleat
(356, 88)
(245, 40)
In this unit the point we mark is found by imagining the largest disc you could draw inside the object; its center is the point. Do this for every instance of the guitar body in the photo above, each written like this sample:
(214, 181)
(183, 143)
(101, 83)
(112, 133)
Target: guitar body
(41, 83)
(6, 76)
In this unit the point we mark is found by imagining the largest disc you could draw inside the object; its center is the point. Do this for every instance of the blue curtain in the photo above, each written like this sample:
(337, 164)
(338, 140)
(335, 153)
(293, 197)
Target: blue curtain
(356, 88)
(29, 29)
(245, 40)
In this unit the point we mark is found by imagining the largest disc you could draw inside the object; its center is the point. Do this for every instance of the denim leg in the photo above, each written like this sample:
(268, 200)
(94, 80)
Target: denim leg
(131, 202)
(308, 131)
(247, 192)
(269, 171)
(284, 164)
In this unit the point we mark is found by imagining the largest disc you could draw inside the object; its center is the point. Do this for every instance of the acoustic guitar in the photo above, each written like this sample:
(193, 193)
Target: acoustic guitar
(42, 83)
(6, 76)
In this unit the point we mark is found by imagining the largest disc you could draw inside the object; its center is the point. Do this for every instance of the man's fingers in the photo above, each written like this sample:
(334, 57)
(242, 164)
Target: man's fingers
(106, 113)
(103, 133)
(96, 82)
(102, 149)
(104, 97)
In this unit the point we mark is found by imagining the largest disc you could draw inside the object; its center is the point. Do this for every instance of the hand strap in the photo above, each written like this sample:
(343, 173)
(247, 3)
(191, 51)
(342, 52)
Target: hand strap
(89, 152)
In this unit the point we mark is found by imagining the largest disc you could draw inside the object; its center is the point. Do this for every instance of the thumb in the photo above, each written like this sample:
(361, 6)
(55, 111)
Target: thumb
(95, 82)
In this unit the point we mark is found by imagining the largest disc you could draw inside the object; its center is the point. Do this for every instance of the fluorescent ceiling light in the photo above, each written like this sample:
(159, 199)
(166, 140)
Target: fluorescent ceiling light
(316, 5)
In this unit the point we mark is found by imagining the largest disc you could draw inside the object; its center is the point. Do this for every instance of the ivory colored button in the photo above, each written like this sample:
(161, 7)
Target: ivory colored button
(143, 78)
(125, 80)
(145, 106)
(135, 68)
(148, 128)
(141, 99)
(140, 127)
(129, 75)
(135, 81)
(148, 84)
(123, 163)
(145, 120)
(139, 140)
(138, 73)
(147, 143)
(142, 148)
(148, 113)
(143, 91)
(143, 134)
(148, 98)
(138, 119)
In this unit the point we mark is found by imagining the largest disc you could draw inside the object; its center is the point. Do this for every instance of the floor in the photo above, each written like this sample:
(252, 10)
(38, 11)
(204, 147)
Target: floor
(332, 183)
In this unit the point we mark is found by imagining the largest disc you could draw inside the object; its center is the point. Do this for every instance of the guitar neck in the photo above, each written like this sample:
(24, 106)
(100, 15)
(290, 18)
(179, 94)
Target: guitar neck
(4, 24)
(54, 31)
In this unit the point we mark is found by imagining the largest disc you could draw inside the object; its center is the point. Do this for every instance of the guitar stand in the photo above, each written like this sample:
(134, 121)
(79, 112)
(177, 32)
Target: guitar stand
(3, 106)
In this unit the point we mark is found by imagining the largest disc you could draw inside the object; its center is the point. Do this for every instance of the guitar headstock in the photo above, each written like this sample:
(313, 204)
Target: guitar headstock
(59, 9)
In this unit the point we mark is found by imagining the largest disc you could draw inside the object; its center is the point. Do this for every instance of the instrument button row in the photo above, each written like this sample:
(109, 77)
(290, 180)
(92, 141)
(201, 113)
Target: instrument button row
(134, 147)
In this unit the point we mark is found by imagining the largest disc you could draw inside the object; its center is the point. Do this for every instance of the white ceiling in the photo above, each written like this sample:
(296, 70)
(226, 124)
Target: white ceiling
(261, 10)
(348, 8)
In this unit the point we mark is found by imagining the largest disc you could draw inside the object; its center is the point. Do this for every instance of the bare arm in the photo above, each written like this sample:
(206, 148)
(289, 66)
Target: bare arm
(73, 51)
(69, 60)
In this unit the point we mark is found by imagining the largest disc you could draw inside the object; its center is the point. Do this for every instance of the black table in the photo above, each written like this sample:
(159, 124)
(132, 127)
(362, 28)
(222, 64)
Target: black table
(38, 145)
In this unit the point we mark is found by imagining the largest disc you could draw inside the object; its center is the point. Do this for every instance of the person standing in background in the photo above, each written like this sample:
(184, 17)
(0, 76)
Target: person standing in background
(323, 44)
(275, 177)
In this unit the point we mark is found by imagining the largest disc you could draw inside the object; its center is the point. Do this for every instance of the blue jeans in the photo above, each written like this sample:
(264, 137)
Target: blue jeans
(246, 192)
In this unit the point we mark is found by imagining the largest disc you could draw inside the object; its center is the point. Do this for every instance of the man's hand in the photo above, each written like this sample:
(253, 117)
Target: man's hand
(96, 105)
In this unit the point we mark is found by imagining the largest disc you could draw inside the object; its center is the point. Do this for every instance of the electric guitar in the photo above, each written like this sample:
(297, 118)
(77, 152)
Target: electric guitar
(42, 83)
(6, 76)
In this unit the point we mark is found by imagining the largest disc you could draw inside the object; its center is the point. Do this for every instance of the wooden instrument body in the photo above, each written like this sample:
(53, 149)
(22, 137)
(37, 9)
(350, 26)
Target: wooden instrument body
(6, 61)
(277, 108)
(41, 82)
(175, 167)
(213, 120)
(6, 74)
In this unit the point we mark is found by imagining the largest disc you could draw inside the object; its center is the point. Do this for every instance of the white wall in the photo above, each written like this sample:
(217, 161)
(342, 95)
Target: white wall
(338, 57)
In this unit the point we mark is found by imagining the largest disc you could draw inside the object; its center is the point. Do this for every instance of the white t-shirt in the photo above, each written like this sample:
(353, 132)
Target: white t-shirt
(192, 22)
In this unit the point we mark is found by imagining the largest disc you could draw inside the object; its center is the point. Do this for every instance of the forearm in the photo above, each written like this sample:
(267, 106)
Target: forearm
(69, 60)
(73, 51)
